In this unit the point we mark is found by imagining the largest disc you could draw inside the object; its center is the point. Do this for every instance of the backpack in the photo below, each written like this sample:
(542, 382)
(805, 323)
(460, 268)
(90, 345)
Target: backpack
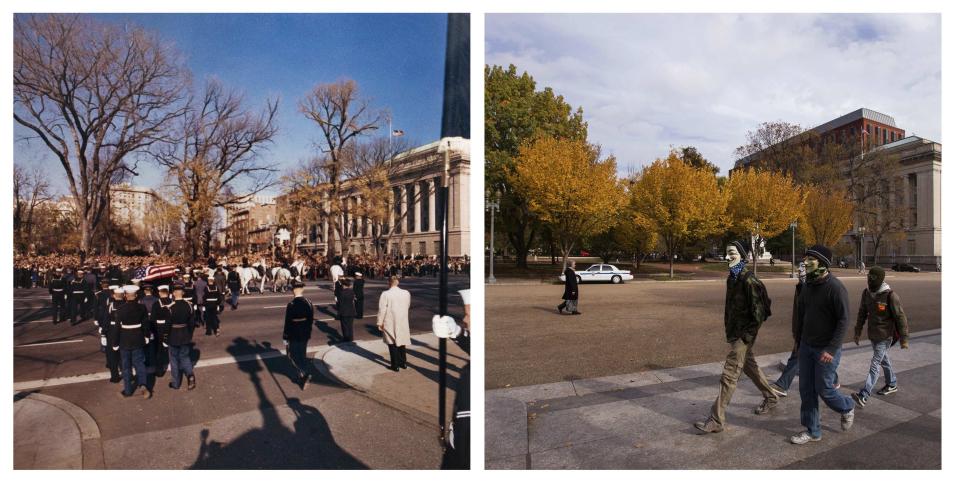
(763, 296)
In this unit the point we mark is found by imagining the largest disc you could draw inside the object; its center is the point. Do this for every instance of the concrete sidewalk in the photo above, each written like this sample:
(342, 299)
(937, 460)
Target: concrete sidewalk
(364, 366)
(50, 433)
(644, 420)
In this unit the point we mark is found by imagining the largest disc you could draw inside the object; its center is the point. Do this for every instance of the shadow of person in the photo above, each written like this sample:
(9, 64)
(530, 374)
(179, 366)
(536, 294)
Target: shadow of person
(274, 445)
(333, 335)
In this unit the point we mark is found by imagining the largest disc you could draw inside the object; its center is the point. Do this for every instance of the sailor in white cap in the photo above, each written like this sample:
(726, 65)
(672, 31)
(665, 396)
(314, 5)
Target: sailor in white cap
(134, 335)
(58, 295)
(358, 284)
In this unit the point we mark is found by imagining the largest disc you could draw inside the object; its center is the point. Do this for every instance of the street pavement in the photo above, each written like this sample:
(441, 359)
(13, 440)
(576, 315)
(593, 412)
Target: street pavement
(649, 325)
(644, 420)
(246, 411)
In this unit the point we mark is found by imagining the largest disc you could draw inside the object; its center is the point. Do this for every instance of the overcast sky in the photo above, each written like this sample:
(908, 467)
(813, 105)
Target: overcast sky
(396, 60)
(650, 81)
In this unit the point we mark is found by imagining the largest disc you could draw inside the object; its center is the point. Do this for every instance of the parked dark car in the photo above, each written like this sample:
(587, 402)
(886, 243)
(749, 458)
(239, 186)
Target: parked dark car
(905, 268)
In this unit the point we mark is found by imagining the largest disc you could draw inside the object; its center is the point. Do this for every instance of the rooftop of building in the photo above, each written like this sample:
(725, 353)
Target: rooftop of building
(861, 113)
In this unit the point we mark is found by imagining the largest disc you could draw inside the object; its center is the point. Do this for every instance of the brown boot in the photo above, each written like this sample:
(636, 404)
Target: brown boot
(708, 426)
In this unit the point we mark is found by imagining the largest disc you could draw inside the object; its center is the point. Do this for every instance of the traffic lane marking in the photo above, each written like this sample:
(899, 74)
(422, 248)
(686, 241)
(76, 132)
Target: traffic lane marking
(49, 343)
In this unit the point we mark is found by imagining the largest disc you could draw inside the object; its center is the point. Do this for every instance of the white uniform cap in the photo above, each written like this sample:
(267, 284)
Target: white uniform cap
(465, 294)
(163, 288)
(115, 287)
(359, 274)
(130, 289)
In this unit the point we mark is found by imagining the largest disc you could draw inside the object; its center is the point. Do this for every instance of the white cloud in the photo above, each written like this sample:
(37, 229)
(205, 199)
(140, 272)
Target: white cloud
(648, 81)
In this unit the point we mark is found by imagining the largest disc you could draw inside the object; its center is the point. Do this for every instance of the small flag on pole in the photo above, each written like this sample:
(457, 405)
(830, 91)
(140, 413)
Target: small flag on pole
(398, 132)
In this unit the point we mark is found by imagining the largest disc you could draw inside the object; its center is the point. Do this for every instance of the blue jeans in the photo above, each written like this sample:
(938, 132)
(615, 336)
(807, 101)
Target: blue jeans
(133, 359)
(818, 380)
(880, 358)
(789, 372)
(180, 361)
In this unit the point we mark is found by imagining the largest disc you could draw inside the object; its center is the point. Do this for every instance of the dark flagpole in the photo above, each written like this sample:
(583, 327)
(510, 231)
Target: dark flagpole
(456, 110)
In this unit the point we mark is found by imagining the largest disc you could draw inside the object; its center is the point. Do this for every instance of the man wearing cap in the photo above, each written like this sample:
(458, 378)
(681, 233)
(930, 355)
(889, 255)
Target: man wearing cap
(176, 334)
(745, 312)
(393, 320)
(346, 309)
(200, 288)
(147, 299)
(102, 318)
(78, 295)
(133, 336)
(358, 284)
(297, 328)
(881, 306)
(160, 318)
(212, 306)
(58, 295)
(824, 318)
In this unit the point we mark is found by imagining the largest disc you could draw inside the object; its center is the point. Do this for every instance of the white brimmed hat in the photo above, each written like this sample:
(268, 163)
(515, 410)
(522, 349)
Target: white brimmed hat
(130, 289)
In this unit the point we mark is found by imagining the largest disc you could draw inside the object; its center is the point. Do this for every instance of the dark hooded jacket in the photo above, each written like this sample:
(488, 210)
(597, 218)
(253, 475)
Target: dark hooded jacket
(744, 311)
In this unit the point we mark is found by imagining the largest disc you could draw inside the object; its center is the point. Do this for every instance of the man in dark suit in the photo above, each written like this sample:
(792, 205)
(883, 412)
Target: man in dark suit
(571, 293)
(358, 294)
(347, 309)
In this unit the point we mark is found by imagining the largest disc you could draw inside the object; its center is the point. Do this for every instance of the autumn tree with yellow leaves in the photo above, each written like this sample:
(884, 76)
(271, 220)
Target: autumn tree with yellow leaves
(679, 202)
(826, 216)
(567, 185)
(761, 202)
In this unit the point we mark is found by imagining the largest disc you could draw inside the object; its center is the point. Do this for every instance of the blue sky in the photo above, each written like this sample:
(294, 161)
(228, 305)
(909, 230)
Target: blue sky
(650, 81)
(396, 59)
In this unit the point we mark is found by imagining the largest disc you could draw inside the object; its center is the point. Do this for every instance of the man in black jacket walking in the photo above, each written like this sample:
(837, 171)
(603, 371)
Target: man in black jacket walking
(177, 335)
(347, 309)
(823, 318)
(571, 292)
(744, 313)
(297, 328)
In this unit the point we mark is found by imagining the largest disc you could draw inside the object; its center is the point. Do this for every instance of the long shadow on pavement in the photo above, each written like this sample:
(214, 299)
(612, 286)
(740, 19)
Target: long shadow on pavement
(310, 445)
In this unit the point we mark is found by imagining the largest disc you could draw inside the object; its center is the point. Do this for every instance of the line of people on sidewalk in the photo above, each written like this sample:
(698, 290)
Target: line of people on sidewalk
(820, 320)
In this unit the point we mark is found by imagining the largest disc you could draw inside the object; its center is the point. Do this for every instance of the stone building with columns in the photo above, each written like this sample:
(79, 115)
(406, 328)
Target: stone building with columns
(412, 228)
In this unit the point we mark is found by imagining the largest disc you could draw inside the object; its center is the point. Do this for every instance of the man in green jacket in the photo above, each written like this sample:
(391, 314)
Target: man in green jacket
(887, 324)
(745, 313)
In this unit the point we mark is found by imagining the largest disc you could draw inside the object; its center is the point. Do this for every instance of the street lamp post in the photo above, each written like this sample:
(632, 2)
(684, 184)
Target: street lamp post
(862, 236)
(792, 264)
(492, 205)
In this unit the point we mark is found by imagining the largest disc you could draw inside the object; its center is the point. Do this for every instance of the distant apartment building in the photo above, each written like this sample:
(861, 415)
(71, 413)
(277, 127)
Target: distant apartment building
(250, 225)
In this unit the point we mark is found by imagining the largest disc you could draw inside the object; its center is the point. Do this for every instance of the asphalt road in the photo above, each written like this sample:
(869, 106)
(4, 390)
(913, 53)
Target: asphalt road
(43, 350)
(244, 413)
(646, 325)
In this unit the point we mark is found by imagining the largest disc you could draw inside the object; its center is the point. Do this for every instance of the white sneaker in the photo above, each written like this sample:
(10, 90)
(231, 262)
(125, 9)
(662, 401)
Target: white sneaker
(847, 419)
(804, 437)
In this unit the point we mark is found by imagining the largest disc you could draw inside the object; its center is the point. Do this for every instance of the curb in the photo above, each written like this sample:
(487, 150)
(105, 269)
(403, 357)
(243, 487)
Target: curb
(91, 446)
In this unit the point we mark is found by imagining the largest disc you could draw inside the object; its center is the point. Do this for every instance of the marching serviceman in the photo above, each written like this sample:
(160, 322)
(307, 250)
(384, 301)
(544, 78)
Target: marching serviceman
(78, 294)
(58, 295)
(177, 336)
(132, 337)
(212, 306)
(297, 328)
(102, 319)
(347, 310)
(233, 283)
(160, 317)
(148, 300)
(189, 294)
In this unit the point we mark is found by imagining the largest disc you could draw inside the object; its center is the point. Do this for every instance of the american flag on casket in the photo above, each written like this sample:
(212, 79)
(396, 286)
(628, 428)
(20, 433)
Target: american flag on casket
(154, 272)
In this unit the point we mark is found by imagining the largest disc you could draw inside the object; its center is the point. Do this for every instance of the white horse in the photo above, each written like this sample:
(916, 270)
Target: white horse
(281, 278)
(248, 274)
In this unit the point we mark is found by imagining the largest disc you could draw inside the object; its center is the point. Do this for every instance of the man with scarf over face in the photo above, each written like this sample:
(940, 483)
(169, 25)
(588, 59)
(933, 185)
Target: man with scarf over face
(887, 324)
(823, 318)
(744, 314)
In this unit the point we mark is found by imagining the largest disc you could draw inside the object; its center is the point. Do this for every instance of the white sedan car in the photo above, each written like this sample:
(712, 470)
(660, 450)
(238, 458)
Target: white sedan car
(602, 273)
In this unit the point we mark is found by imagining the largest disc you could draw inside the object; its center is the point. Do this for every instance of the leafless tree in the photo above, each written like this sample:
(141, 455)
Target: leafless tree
(96, 95)
(342, 116)
(215, 147)
(30, 191)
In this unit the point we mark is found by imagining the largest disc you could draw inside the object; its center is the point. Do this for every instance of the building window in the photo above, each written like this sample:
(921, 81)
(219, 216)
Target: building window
(884, 136)
(410, 208)
(422, 248)
(436, 247)
(913, 200)
(397, 208)
(424, 206)
(409, 248)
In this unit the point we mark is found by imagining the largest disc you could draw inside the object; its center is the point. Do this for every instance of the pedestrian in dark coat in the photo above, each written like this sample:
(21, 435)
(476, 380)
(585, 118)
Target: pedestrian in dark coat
(358, 284)
(347, 309)
(212, 306)
(297, 329)
(58, 295)
(571, 292)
